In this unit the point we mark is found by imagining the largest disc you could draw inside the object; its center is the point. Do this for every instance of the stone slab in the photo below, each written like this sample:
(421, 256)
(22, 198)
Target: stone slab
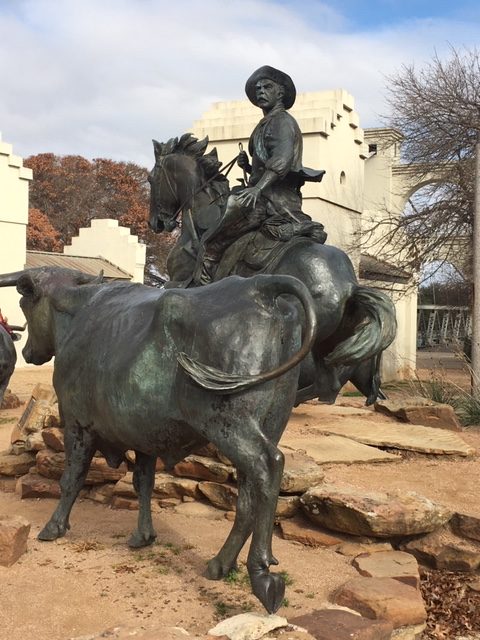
(330, 448)
(419, 410)
(372, 513)
(389, 564)
(14, 532)
(248, 626)
(383, 599)
(442, 549)
(299, 530)
(329, 624)
(409, 437)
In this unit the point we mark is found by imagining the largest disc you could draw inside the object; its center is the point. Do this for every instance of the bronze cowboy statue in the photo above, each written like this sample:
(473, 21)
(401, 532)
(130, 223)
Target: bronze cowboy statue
(261, 228)
(271, 199)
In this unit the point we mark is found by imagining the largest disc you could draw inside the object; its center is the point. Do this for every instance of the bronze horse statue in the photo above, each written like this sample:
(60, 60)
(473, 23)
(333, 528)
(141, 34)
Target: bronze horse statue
(355, 323)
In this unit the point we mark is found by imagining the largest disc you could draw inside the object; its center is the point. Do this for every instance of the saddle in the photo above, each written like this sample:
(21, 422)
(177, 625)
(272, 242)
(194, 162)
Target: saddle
(254, 253)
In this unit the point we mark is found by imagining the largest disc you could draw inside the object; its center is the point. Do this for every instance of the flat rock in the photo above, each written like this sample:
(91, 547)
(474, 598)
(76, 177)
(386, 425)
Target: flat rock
(53, 438)
(376, 514)
(409, 437)
(203, 468)
(52, 463)
(199, 510)
(248, 626)
(389, 564)
(466, 526)
(102, 494)
(352, 548)
(418, 410)
(118, 502)
(442, 549)
(312, 412)
(301, 531)
(330, 448)
(383, 599)
(12, 465)
(167, 486)
(33, 485)
(222, 496)
(287, 507)
(14, 532)
(334, 624)
(300, 472)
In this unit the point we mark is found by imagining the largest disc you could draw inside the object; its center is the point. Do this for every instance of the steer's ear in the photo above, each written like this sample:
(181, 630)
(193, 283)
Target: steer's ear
(27, 287)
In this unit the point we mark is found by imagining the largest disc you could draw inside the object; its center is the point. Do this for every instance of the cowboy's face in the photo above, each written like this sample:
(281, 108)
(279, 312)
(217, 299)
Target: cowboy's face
(268, 94)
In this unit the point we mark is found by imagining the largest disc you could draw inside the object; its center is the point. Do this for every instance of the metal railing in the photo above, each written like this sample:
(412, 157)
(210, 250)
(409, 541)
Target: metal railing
(439, 325)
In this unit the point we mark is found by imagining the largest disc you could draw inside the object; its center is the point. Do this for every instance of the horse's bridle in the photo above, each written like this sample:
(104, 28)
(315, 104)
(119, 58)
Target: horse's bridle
(226, 167)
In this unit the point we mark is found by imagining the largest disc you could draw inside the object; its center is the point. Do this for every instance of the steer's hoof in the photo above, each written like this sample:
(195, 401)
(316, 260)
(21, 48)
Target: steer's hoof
(52, 531)
(269, 589)
(216, 570)
(138, 540)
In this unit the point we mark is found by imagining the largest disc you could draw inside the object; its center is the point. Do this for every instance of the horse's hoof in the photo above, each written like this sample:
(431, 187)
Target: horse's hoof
(273, 561)
(52, 531)
(269, 588)
(216, 570)
(137, 540)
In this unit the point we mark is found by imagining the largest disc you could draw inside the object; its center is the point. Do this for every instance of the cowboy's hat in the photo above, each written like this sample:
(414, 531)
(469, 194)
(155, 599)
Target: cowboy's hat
(277, 76)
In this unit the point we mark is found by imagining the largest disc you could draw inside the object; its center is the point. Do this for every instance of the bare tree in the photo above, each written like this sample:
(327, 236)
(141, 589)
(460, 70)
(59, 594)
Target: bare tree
(437, 110)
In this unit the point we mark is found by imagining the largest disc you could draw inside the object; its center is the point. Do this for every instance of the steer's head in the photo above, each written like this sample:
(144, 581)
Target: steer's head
(46, 292)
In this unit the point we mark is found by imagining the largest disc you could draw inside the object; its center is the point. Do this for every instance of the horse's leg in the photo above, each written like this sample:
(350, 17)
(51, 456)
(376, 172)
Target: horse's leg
(80, 445)
(143, 481)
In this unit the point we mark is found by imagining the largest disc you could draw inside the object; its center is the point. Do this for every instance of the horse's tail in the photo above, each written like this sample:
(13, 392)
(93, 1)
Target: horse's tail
(371, 315)
(271, 287)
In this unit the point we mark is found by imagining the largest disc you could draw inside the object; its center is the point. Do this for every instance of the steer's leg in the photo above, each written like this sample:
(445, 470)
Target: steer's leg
(269, 588)
(226, 558)
(261, 462)
(143, 481)
(80, 446)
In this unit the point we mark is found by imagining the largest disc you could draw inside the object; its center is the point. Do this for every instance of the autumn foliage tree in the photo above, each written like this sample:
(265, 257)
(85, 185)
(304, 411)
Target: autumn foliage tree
(41, 234)
(67, 192)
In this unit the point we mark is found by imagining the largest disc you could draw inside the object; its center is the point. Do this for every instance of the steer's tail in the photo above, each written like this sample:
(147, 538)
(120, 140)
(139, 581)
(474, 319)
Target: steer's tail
(272, 286)
(371, 315)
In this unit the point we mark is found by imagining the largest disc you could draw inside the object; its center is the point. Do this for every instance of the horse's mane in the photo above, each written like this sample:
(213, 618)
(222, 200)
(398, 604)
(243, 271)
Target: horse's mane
(191, 146)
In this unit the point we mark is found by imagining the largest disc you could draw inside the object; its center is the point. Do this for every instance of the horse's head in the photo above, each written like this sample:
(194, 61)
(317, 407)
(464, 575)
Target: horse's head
(174, 180)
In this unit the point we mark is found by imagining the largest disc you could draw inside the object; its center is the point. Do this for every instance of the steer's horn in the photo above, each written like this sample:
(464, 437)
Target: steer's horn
(10, 279)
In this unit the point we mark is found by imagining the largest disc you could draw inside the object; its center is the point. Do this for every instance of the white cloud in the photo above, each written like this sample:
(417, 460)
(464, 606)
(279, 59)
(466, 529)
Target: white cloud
(103, 78)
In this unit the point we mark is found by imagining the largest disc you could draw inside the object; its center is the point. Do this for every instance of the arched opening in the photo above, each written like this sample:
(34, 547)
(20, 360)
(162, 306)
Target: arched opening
(443, 311)
(343, 177)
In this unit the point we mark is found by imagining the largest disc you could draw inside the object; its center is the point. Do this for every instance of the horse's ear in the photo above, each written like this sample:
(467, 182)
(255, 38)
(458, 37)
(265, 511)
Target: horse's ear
(213, 153)
(158, 148)
(201, 146)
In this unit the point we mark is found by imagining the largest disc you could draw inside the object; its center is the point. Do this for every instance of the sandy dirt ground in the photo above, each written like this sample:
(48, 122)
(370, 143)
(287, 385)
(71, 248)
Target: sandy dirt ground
(89, 580)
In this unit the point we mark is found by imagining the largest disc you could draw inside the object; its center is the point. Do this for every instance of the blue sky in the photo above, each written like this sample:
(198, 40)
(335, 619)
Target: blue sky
(101, 78)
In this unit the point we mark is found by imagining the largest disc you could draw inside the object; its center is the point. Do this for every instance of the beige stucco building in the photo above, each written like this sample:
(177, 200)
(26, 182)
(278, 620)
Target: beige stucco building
(362, 178)
(14, 179)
